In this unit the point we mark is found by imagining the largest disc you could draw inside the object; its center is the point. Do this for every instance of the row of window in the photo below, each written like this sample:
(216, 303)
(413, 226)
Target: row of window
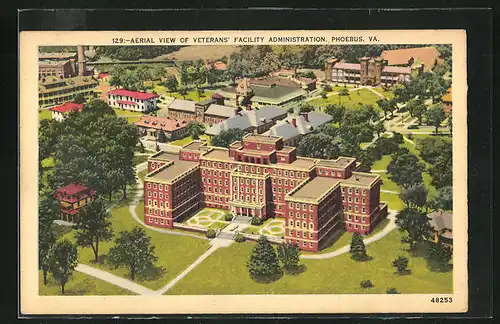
(356, 218)
(327, 172)
(247, 181)
(297, 224)
(156, 212)
(356, 199)
(160, 221)
(247, 190)
(215, 173)
(291, 205)
(301, 234)
(356, 191)
(216, 164)
(209, 181)
(159, 186)
(304, 243)
(279, 172)
(356, 226)
(117, 97)
(356, 208)
(217, 198)
(153, 202)
(304, 215)
(160, 195)
(216, 190)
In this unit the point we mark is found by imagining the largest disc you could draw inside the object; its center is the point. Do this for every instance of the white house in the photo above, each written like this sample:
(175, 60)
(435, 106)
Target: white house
(132, 100)
(61, 112)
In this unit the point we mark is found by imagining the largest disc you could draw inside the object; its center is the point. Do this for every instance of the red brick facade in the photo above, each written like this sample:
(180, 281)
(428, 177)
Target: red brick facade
(261, 177)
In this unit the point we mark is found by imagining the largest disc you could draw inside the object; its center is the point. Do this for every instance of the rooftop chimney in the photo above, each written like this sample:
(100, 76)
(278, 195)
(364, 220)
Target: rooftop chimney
(294, 122)
(81, 60)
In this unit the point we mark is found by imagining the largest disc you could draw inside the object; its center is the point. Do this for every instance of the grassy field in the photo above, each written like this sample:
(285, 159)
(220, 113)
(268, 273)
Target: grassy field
(387, 94)
(192, 95)
(44, 114)
(355, 98)
(79, 284)
(392, 200)
(214, 276)
(189, 139)
(174, 252)
(131, 116)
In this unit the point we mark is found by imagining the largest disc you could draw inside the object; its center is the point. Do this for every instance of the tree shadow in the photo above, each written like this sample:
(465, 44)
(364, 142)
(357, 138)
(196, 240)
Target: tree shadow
(267, 279)
(295, 271)
(364, 258)
(419, 250)
(439, 267)
(152, 273)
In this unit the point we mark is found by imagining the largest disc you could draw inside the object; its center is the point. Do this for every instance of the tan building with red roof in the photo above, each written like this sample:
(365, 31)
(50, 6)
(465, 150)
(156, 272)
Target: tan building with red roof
(150, 125)
(61, 112)
(72, 198)
(132, 100)
(407, 57)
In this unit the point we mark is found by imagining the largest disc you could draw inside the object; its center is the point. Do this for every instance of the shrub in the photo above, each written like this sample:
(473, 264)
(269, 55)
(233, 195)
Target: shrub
(366, 284)
(228, 217)
(323, 94)
(239, 238)
(327, 87)
(256, 221)
(410, 136)
(391, 291)
(413, 127)
(401, 265)
(211, 233)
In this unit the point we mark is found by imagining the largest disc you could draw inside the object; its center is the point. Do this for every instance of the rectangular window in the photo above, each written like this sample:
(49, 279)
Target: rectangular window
(364, 210)
(310, 207)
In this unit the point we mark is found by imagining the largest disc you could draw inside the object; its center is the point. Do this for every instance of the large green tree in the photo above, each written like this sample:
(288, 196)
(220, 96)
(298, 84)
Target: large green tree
(226, 137)
(405, 168)
(337, 112)
(195, 129)
(414, 196)
(289, 255)
(318, 145)
(93, 226)
(63, 260)
(415, 224)
(134, 250)
(172, 83)
(435, 116)
(443, 199)
(357, 248)
(48, 209)
(263, 262)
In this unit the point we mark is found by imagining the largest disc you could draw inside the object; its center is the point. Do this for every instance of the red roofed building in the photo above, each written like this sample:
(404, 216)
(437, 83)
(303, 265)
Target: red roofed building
(61, 112)
(428, 56)
(150, 125)
(72, 198)
(132, 100)
(218, 66)
(104, 76)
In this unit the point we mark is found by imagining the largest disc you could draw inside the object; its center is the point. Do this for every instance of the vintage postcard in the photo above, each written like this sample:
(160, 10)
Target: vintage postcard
(254, 172)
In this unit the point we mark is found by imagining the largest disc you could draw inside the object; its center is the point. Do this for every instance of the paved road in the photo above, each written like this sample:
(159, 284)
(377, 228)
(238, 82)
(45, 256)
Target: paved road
(115, 280)
(193, 265)
(391, 226)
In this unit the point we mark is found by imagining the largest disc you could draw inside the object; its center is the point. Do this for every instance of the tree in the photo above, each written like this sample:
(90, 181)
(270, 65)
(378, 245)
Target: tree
(358, 249)
(435, 116)
(343, 93)
(133, 249)
(405, 169)
(324, 95)
(401, 265)
(414, 196)
(171, 83)
(337, 113)
(443, 199)
(63, 260)
(79, 98)
(195, 129)
(289, 255)
(318, 146)
(438, 256)
(162, 138)
(442, 172)
(419, 112)
(385, 106)
(48, 209)
(450, 124)
(415, 224)
(93, 226)
(263, 262)
(226, 137)
(183, 92)
(391, 291)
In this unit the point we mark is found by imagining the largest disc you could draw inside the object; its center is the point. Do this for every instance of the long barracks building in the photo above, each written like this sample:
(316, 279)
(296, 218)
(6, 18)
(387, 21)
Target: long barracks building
(259, 176)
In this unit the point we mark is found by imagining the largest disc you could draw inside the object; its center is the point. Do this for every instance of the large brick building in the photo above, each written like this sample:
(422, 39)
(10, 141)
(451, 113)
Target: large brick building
(260, 176)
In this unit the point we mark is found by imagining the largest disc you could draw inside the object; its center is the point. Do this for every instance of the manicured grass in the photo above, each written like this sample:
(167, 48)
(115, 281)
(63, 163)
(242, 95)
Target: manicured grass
(388, 184)
(189, 139)
(338, 275)
(192, 95)
(174, 252)
(382, 163)
(387, 94)
(79, 284)
(393, 200)
(220, 225)
(355, 98)
(131, 116)
(138, 159)
(44, 114)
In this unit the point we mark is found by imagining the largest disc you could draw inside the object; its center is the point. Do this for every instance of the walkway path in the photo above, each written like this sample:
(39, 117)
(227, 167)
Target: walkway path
(390, 191)
(376, 92)
(172, 283)
(391, 226)
(115, 280)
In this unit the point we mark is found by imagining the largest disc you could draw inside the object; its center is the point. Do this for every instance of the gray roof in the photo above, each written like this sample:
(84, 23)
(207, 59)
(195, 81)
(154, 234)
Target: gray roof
(218, 110)
(180, 104)
(285, 128)
(247, 119)
(441, 220)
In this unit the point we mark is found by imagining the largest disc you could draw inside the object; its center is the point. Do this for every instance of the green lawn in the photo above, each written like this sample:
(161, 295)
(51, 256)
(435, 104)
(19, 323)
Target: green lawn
(393, 201)
(79, 284)
(138, 159)
(338, 275)
(189, 139)
(220, 225)
(382, 163)
(192, 95)
(131, 116)
(387, 94)
(355, 98)
(44, 114)
(174, 252)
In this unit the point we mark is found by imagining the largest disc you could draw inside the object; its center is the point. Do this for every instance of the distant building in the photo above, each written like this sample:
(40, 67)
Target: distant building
(63, 65)
(72, 198)
(217, 66)
(407, 57)
(150, 125)
(269, 91)
(442, 223)
(251, 121)
(260, 176)
(447, 102)
(54, 90)
(208, 112)
(370, 71)
(103, 76)
(61, 112)
(305, 83)
(294, 127)
(132, 100)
